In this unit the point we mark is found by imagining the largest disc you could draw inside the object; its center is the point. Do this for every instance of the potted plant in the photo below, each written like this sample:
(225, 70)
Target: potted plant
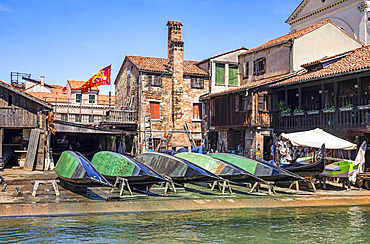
(346, 108)
(329, 109)
(313, 112)
(286, 112)
(298, 111)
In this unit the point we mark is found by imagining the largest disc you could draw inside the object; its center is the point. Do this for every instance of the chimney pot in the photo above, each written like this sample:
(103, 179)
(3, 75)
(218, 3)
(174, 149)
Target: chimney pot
(42, 80)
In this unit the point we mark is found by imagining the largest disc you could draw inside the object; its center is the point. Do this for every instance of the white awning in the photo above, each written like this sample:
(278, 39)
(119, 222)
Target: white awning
(315, 138)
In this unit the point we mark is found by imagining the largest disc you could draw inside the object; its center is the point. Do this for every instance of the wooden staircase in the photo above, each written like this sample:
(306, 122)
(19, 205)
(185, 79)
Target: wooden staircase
(148, 133)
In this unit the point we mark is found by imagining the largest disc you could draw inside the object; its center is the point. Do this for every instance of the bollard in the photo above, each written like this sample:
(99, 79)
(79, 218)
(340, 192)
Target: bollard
(18, 191)
(5, 187)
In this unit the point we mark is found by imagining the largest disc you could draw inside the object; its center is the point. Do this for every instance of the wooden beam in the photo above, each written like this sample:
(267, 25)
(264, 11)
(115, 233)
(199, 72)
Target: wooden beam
(1, 148)
(359, 91)
(32, 149)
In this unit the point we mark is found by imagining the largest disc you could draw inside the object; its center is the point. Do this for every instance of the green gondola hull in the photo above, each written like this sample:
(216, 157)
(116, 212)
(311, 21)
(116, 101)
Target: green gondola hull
(77, 170)
(112, 165)
(218, 167)
(259, 169)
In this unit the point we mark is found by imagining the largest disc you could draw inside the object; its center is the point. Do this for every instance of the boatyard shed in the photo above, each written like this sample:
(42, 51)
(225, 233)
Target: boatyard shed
(23, 128)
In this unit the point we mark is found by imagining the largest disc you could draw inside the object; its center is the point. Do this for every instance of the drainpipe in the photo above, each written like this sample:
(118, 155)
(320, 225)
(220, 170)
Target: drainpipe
(139, 125)
(291, 58)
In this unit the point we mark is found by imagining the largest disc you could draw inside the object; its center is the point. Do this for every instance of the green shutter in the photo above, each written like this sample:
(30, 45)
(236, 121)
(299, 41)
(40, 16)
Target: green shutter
(220, 74)
(233, 75)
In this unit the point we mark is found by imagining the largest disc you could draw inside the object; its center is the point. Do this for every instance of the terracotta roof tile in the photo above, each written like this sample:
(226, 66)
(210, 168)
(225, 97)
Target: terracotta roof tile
(75, 84)
(294, 35)
(356, 60)
(104, 100)
(161, 65)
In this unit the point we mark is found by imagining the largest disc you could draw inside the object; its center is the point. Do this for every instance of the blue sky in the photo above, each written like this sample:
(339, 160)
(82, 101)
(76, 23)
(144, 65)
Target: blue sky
(74, 39)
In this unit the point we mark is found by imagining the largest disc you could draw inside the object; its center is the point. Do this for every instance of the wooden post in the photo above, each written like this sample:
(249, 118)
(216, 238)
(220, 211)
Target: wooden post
(323, 105)
(1, 149)
(32, 149)
(359, 91)
(286, 98)
(40, 162)
(299, 97)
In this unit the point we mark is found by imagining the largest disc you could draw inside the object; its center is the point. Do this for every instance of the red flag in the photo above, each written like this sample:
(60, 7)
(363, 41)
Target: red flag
(100, 78)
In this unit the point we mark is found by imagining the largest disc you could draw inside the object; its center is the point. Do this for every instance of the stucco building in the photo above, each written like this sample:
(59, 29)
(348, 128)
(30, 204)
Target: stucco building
(69, 104)
(351, 15)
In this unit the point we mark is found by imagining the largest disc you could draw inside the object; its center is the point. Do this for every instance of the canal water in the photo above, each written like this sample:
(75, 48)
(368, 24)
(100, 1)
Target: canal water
(299, 225)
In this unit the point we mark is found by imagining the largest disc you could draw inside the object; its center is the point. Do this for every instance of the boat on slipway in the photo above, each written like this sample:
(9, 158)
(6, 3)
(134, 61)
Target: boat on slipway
(112, 165)
(75, 169)
(179, 170)
(259, 169)
(221, 168)
(307, 168)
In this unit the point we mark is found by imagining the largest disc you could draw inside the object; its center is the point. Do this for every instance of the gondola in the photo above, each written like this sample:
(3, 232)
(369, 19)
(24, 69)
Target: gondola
(221, 168)
(112, 165)
(75, 169)
(180, 170)
(262, 170)
(305, 168)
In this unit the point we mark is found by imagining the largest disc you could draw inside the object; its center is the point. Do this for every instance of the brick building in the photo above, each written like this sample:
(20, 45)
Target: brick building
(164, 93)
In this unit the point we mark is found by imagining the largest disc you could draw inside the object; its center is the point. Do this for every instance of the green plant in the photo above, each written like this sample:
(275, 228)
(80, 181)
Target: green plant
(329, 108)
(286, 111)
(281, 105)
(347, 106)
(298, 110)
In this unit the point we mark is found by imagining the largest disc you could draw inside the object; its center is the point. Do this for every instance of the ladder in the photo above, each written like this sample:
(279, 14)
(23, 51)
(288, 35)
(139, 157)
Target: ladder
(190, 136)
(148, 134)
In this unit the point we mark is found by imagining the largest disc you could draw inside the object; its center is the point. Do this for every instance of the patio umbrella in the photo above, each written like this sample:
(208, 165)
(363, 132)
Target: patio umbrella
(315, 138)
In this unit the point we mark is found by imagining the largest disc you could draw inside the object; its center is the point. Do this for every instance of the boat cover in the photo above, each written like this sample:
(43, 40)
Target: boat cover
(315, 138)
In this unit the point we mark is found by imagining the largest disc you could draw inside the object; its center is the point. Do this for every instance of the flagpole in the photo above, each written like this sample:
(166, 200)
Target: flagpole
(110, 89)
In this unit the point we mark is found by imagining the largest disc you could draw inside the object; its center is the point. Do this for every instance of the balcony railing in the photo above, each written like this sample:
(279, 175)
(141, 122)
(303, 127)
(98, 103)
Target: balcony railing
(355, 117)
(121, 117)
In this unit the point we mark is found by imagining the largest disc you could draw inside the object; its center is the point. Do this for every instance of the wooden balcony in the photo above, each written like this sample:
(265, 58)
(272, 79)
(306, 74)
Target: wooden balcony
(355, 118)
(121, 117)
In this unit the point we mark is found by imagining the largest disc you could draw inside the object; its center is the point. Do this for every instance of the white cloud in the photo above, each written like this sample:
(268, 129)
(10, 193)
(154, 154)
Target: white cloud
(4, 9)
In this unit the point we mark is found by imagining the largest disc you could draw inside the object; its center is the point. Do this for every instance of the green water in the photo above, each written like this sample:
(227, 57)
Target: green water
(302, 225)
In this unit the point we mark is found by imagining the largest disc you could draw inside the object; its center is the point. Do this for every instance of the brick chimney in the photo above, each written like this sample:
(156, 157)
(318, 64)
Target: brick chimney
(42, 80)
(175, 62)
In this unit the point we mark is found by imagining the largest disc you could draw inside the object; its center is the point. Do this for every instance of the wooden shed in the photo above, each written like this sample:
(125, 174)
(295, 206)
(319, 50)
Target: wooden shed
(23, 129)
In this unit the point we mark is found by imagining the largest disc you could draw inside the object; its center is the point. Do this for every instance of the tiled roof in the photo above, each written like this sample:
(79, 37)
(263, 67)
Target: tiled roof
(104, 100)
(161, 65)
(357, 60)
(296, 34)
(56, 95)
(251, 85)
(75, 84)
(25, 94)
(235, 50)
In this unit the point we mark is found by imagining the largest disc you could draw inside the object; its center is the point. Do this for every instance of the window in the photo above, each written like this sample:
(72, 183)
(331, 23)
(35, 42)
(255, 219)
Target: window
(91, 118)
(245, 70)
(197, 82)
(220, 74)
(78, 98)
(155, 80)
(154, 110)
(197, 111)
(259, 66)
(233, 75)
(10, 100)
(243, 103)
(91, 98)
(128, 81)
(78, 118)
(64, 117)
